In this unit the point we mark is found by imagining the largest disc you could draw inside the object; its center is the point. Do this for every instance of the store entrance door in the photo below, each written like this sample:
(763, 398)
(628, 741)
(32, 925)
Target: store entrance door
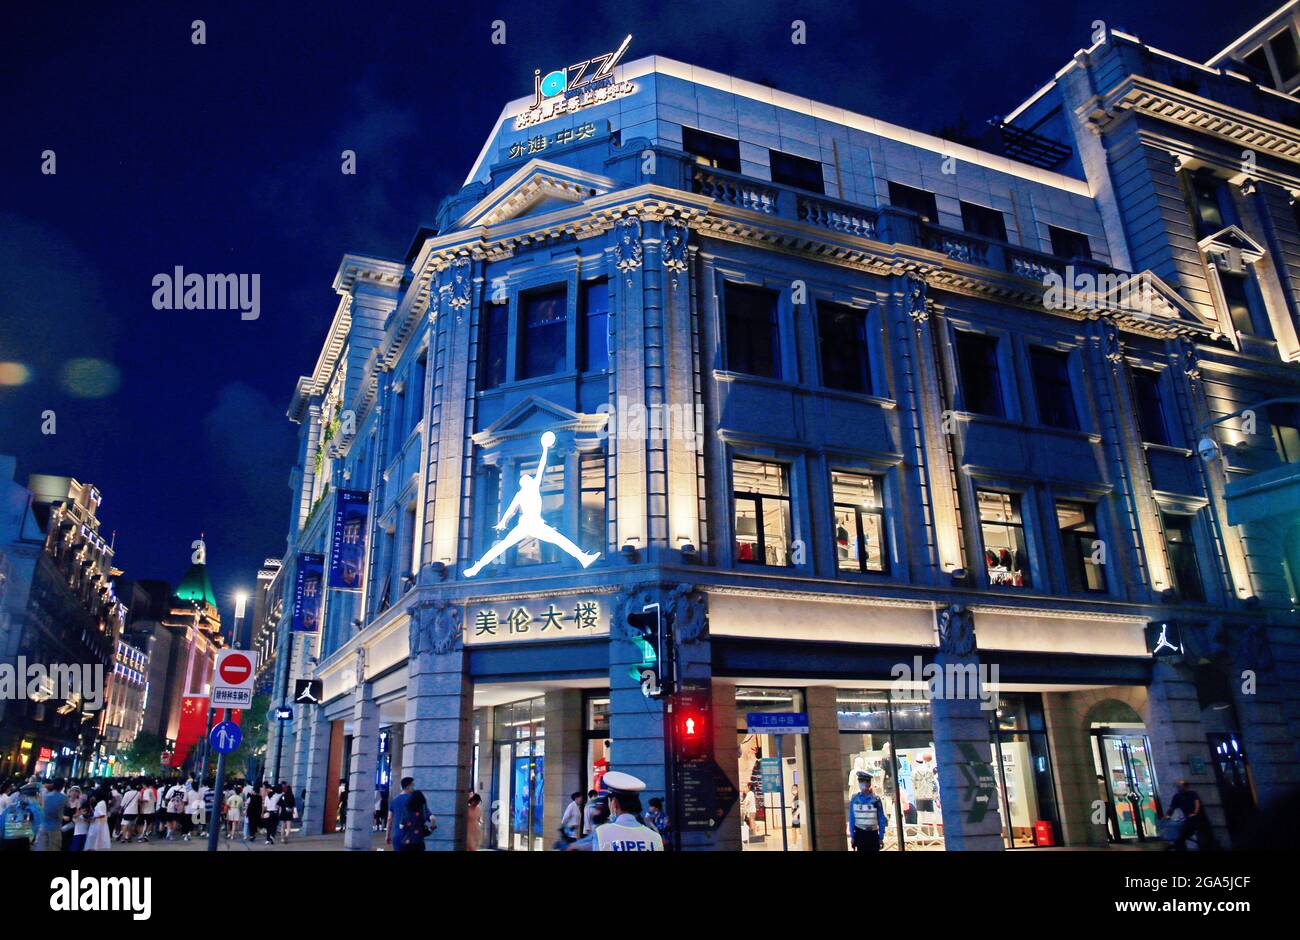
(1124, 761)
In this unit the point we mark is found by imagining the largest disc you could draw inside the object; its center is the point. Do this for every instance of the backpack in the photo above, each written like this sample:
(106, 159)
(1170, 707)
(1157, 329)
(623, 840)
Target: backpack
(19, 820)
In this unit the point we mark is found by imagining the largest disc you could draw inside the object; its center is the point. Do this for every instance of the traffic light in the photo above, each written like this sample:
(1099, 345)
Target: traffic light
(692, 732)
(652, 636)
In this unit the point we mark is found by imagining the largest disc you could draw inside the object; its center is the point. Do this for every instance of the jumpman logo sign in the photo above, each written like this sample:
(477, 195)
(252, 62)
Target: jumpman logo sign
(1163, 641)
(528, 504)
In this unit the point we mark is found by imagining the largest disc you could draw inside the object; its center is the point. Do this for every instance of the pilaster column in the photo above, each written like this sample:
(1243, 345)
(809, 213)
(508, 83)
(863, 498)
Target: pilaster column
(824, 789)
(565, 757)
(365, 751)
(437, 734)
(316, 734)
(972, 819)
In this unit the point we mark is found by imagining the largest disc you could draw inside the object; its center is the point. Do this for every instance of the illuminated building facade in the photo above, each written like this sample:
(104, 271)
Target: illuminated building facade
(846, 404)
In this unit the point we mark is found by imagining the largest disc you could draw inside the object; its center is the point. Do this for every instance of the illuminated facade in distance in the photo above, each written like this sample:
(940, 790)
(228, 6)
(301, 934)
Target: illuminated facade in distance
(811, 395)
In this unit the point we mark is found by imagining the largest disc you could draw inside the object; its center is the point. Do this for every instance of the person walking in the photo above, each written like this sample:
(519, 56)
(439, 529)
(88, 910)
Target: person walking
(571, 820)
(97, 837)
(176, 813)
(409, 819)
(252, 814)
(70, 810)
(270, 812)
(130, 812)
(51, 818)
(866, 817)
(234, 812)
(657, 817)
(81, 818)
(287, 807)
(1188, 802)
(474, 822)
(21, 817)
(148, 802)
(588, 813)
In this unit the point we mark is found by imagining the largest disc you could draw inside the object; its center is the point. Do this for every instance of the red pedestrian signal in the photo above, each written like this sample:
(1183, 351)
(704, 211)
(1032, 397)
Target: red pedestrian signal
(693, 735)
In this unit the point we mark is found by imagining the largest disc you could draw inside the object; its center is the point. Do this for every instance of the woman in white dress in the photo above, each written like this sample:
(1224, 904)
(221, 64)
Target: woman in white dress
(97, 839)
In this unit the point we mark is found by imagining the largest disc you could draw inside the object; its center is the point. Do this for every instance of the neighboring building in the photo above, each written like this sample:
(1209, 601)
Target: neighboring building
(263, 624)
(1268, 53)
(61, 613)
(194, 623)
(846, 401)
(126, 695)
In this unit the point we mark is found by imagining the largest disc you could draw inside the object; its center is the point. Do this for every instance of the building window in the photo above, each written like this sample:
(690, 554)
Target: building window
(1150, 407)
(1068, 244)
(1284, 423)
(1285, 55)
(543, 339)
(842, 336)
(1209, 202)
(1181, 549)
(591, 525)
(1078, 526)
(775, 806)
(799, 172)
(495, 342)
(977, 370)
(1052, 390)
(595, 326)
(1242, 300)
(983, 221)
(1003, 530)
(753, 341)
(859, 522)
(722, 153)
(415, 398)
(762, 497)
(535, 551)
(916, 200)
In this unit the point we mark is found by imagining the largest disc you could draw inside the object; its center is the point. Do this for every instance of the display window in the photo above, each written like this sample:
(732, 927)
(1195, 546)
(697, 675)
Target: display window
(775, 808)
(1026, 793)
(519, 743)
(599, 743)
(1126, 780)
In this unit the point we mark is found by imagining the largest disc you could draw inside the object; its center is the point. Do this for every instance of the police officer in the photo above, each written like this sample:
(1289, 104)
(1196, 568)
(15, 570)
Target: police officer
(866, 817)
(625, 832)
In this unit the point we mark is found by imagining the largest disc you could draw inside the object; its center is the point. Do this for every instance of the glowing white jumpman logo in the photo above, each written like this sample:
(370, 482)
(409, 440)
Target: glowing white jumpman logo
(1163, 641)
(528, 503)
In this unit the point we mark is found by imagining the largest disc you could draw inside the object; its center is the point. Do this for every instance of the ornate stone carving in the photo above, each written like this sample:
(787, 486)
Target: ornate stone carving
(1191, 360)
(627, 246)
(956, 631)
(1112, 344)
(436, 627)
(918, 299)
(1250, 647)
(361, 665)
(676, 235)
(461, 286)
(631, 601)
(690, 610)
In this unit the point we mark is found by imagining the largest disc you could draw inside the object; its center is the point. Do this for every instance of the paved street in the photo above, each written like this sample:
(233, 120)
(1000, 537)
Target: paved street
(297, 843)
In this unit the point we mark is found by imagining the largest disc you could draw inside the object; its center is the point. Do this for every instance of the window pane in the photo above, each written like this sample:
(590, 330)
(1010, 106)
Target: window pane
(1207, 209)
(1150, 411)
(496, 337)
(1236, 295)
(544, 334)
(1051, 370)
(747, 549)
(1068, 244)
(711, 149)
(752, 476)
(1181, 549)
(977, 367)
(859, 522)
(776, 531)
(981, 220)
(800, 172)
(1078, 535)
(916, 200)
(762, 512)
(595, 333)
(592, 522)
(1005, 558)
(752, 343)
(531, 551)
(843, 341)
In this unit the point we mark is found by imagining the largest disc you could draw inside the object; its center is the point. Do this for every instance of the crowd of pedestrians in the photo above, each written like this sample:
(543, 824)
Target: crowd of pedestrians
(94, 814)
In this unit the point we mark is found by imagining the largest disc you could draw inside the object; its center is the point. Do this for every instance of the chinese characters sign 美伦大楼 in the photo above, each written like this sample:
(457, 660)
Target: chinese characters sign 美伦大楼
(557, 619)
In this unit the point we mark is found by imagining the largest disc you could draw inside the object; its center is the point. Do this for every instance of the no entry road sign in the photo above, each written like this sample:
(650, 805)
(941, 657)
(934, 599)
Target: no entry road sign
(232, 680)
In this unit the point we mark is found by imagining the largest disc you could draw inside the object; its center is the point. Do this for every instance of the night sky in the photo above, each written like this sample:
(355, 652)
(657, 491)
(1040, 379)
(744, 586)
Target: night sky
(225, 158)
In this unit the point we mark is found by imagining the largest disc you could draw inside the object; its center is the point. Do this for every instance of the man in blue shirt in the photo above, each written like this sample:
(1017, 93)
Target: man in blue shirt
(866, 817)
(408, 818)
(49, 837)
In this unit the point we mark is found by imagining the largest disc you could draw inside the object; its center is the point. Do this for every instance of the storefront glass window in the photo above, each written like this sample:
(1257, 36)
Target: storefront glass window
(519, 737)
(1005, 558)
(1026, 796)
(598, 740)
(774, 808)
(762, 498)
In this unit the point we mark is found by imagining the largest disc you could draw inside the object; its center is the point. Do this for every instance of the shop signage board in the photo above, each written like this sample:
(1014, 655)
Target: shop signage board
(308, 691)
(979, 777)
(537, 620)
(1164, 639)
(348, 540)
(777, 722)
(571, 88)
(232, 679)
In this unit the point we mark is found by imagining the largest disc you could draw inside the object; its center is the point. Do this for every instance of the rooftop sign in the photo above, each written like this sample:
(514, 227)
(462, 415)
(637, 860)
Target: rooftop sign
(578, 86)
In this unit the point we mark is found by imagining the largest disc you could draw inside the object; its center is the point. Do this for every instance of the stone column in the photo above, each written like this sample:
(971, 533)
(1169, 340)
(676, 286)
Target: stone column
(1074, 772)
(1174, 727)
(636, 723)
(314, 764)
(365, 751)
(972, 819)
(437, 735)
(726, 754)
(565, 760)
(825, 812)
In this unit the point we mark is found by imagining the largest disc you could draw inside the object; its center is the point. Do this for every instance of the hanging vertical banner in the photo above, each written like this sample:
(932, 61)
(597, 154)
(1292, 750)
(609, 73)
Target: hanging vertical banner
(307, 592)
(348, 541)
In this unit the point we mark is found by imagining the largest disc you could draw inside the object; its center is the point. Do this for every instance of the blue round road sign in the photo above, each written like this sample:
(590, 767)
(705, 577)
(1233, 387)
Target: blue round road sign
(225, 736)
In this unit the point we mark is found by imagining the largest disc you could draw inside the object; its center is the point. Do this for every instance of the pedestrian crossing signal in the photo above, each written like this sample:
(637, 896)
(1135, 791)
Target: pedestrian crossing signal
(693, 734)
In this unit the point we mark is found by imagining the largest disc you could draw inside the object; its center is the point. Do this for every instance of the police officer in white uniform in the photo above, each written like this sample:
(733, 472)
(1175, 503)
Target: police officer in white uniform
(624, 832)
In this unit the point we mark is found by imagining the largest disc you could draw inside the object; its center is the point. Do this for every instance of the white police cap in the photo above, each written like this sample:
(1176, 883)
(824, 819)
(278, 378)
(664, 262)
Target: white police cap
(616, 781)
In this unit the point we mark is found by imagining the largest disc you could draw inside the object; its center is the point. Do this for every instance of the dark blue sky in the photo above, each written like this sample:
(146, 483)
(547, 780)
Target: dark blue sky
(225, 158)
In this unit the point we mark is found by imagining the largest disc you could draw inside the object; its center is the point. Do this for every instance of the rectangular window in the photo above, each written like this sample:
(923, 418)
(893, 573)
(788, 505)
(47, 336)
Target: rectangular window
(1078, 526)
(722, 153)
(981, 220)
(916, 200)
(799, 172)
(859, 522)
(1243, 303)
(1003, 530)
(1181, 549)
(753, 341)
(534, 551)
(494, 343)
(1051, 369)
(1208, 201)
(842, 336)
(591, 469)
(1068, 244)
(1284, 422)
(762, 498)
(1150, 407)
(544, 333)
(977, 369)
(415, 397)
(595, 326)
